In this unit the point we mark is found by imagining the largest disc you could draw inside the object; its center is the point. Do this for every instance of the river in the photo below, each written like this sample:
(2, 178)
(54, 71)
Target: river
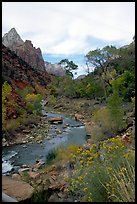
(15, 156)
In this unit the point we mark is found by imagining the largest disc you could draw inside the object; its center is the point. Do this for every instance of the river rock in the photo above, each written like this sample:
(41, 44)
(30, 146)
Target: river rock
(23, 170)
(3, 140)
(38, 165)
(78, 117)
(53, 198)
(48, 137)
(39, 137)
(25, 166)
(66, 125)
(58, 131)
(32, 126)
(57, 120)
(16, 177)
(26, 131)
(34, 175)
(31, 137)
(39, 141)
(19, 190)
(4, 144)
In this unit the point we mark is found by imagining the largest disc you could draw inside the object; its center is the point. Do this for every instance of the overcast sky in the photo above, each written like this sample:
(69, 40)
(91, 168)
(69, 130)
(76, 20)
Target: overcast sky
(70, 28)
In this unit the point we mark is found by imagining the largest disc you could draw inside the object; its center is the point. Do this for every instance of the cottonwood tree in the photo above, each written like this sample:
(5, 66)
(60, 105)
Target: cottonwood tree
(102, 61)
(69, 66)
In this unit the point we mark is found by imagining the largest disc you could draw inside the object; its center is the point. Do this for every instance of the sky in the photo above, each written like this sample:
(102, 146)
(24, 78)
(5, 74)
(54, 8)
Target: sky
(70, 29)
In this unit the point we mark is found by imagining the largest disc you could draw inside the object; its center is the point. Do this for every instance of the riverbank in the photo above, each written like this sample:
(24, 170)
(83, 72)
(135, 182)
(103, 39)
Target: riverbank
(78, 109)
(51, 176)
(35, 131)
(49, 181)
(84, 109)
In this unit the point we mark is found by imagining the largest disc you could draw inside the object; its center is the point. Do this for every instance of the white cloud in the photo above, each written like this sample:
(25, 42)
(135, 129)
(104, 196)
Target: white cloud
(63, 27)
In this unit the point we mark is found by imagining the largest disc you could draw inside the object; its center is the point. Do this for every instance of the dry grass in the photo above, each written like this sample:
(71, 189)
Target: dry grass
(122, 185)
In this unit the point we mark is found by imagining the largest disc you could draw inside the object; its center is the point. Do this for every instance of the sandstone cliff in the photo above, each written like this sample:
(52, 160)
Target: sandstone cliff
(15, 69)
(25, 50)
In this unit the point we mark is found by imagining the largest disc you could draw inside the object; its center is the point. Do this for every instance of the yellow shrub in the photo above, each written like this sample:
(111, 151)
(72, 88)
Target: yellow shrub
(33, 103)
(6, 91)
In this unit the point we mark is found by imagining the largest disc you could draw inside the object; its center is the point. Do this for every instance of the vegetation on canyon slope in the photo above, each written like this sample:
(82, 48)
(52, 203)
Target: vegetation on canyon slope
(104, 171)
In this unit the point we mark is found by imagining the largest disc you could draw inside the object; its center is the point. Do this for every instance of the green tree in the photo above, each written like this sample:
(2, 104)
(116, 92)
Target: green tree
(114, 104)
(102, 61)
(69, 66)
(101, 58)
(126, 59)
(125, 85)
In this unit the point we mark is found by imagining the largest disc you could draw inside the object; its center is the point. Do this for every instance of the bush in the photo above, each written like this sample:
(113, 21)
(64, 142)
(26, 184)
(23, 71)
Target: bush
(40, 90)
(6, 91)
(114, 104)
(25, 176)
(25, 91)
(97, 134)
(51, 100)
(51, 156)
(102, 118)
(40, 195)
(121, 187)
(61, 155)
(108, 121)
(33, 103)
(12, 124)
(93, 169)
(64, 153)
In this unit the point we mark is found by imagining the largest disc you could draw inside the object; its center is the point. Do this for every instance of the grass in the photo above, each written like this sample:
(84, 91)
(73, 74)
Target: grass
(61, 155)
(51, 156)
(25, 176)
(122, 184)
(40, 196)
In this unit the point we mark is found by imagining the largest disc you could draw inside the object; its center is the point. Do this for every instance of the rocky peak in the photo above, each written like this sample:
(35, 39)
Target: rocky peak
(25, 50)
(31, 55)
(28, 43)
(54, 69)
(12, 39)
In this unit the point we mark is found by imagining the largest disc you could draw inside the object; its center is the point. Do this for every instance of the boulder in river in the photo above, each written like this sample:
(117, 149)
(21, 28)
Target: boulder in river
(23, 170)
(78, 117)
(25, 166)
(58, 131)
(58, 120)
(26, 131)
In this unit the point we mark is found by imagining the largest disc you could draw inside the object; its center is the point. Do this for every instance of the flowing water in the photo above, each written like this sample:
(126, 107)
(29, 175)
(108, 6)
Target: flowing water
(15, 156)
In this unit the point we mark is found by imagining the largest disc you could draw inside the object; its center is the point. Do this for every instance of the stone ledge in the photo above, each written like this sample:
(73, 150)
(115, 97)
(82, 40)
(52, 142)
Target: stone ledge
(19, 190)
